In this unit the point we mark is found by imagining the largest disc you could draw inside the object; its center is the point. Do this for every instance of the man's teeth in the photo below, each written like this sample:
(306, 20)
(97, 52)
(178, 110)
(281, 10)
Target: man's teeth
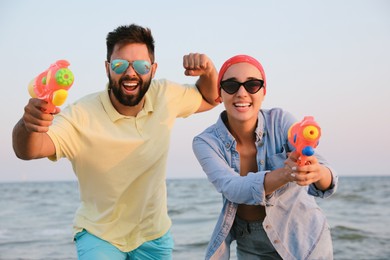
(130, 84)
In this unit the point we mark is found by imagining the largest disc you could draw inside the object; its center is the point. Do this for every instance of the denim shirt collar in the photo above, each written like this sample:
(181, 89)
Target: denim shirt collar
(228, 139)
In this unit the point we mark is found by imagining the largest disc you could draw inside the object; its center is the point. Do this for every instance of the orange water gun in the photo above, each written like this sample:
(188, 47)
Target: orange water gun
(304, 136)
(52, 85)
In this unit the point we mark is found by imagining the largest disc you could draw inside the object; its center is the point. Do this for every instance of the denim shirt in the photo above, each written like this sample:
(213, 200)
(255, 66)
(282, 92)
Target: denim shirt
(294, 222)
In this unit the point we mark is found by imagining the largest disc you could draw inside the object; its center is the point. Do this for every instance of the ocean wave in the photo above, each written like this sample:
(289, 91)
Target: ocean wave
(359, 197)
(348, 233)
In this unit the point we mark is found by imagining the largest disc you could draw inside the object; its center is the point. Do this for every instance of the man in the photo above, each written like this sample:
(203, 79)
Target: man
(117, 141)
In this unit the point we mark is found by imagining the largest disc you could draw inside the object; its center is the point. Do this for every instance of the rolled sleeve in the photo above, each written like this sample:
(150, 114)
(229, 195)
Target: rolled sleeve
(238, 189)
(327, 193)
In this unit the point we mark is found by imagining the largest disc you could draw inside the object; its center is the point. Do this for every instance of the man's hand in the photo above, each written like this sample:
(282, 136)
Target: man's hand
(35, 117)
(196, 64)
(29, 137)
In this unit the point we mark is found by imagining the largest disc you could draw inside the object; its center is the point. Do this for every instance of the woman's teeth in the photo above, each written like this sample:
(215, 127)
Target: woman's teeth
(242, 104)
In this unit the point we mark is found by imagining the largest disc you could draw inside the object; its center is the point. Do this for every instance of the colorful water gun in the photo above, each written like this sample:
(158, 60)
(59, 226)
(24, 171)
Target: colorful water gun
(304, 136)
(52, 85)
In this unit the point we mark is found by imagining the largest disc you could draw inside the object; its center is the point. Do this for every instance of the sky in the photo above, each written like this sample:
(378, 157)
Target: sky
(328, 59)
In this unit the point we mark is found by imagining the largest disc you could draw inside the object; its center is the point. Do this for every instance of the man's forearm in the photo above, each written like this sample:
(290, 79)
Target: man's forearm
(27, 145)
(208, 87)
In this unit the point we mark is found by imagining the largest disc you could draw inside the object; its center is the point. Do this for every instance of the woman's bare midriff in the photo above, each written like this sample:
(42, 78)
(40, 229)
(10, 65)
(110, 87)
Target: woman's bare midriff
(251, 212)
(248, 164)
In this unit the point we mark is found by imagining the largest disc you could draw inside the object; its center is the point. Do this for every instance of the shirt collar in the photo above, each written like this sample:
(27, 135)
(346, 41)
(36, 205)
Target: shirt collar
(114, 115)
(260, 129)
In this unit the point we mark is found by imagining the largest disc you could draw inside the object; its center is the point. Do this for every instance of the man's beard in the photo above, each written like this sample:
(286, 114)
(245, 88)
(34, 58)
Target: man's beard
(128, 100)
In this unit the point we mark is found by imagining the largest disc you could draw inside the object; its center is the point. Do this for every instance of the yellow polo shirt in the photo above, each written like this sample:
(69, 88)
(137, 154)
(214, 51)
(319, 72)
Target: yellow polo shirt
(120, 161)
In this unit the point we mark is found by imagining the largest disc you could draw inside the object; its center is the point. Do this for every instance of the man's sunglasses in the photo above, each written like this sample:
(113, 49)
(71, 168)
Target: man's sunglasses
(251, 86)
(119, 66)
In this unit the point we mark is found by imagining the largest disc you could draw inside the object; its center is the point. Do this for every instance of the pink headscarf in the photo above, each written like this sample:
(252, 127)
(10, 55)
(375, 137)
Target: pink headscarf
(239, 59)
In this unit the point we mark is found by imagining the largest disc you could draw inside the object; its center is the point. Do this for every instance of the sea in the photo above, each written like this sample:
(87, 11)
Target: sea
(36, 218)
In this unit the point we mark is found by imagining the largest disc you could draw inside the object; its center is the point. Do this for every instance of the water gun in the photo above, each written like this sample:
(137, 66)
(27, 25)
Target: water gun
(52, 85)
(304, 136)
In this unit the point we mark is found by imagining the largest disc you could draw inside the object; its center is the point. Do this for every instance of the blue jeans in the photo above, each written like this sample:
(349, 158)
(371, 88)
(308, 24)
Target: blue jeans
(252, 241)
(91, 247)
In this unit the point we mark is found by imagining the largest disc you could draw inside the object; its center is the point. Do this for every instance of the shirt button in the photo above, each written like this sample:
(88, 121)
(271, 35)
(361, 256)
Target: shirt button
(262, 162)
(227, 145)
(276, 241)
(267, 226)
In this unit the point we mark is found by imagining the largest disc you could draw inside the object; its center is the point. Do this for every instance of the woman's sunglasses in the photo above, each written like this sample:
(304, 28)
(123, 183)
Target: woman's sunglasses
(251, 86)
(119, 66)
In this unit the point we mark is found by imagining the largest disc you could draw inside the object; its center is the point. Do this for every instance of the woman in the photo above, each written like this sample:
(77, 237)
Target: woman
(268, 200)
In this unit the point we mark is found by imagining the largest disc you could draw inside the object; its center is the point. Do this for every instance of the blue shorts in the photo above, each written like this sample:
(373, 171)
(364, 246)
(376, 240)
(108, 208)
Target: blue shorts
(91, 247)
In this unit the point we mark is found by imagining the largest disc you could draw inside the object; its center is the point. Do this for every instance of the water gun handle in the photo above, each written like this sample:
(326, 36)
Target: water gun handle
(53, 84)
(304, 136)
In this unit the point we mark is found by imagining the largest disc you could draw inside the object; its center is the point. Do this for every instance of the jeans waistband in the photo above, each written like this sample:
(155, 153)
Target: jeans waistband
(250, 225)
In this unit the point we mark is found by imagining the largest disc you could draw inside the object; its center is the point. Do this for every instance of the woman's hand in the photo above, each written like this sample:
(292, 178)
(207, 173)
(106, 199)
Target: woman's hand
(311, 172)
